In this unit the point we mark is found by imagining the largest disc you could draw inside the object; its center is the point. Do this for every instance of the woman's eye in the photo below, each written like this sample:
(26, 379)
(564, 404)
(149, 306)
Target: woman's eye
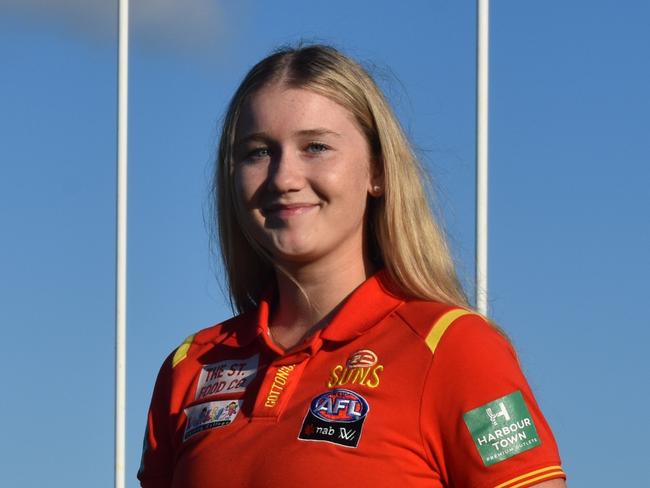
(258, 153)
(316, 147)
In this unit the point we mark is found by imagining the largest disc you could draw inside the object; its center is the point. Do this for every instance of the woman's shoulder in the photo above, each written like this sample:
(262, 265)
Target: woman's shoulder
(436, 322)
(234, 331)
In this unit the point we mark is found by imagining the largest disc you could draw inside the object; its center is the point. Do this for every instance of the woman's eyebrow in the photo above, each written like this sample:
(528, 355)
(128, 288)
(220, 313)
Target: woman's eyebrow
(317, 132)
(263, 136)
(255, 136)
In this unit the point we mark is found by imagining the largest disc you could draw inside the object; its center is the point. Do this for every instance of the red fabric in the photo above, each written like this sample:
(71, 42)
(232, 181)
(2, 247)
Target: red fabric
(413, 433)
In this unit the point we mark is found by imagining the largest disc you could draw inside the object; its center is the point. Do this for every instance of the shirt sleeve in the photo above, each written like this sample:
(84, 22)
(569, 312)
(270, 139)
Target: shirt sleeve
(481, 424)
(157, 453)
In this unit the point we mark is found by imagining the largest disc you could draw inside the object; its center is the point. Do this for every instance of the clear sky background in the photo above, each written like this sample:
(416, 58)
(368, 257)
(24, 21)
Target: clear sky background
(569, 201)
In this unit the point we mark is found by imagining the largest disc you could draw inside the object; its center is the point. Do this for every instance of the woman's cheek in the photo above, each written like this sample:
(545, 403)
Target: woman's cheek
(245, 188)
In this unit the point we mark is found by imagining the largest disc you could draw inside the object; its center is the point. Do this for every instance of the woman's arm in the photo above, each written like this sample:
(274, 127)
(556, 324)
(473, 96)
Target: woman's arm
(550, 484)
(485, 426)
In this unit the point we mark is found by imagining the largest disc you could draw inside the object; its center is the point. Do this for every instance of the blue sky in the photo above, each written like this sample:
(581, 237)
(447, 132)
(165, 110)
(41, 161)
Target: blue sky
(569, 201)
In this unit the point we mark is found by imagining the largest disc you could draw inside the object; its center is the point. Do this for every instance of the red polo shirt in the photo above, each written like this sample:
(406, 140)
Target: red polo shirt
(393, 392)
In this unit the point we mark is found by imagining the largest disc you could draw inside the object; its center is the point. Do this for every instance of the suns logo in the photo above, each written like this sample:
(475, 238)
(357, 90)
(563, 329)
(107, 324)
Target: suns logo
(361, 368)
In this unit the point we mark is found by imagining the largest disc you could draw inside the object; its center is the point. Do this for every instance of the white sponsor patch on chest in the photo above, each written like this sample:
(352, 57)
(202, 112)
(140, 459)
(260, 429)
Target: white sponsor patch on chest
(228, 376)
(210, 415)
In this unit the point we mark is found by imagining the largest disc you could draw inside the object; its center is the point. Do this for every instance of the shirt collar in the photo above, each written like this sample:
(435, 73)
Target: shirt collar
(367, 305)
(364, 307)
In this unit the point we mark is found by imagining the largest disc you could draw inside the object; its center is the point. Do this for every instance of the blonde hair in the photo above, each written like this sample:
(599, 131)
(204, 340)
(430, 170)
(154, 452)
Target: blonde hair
(403, 234)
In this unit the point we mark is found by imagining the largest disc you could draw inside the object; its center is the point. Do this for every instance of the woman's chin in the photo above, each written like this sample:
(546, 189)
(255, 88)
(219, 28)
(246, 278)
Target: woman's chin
(295, 257)
(296, 248)
(296, 253)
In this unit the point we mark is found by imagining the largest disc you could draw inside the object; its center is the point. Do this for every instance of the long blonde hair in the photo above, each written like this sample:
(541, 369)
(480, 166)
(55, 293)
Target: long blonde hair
(404, 236)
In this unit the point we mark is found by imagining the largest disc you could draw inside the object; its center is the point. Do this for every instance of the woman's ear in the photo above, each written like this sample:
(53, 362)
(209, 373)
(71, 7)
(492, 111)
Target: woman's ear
(376, 191)
(376, 183)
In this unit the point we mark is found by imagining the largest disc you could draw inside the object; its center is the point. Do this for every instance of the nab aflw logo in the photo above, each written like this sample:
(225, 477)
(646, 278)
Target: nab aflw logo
(503, 412)
(347, 434)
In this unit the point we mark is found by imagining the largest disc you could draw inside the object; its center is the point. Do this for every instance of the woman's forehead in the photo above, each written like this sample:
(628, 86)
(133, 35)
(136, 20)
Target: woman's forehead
(284, 109)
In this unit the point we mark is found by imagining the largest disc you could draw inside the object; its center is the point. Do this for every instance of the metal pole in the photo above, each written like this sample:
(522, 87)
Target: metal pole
(482, 65)
(120, 295)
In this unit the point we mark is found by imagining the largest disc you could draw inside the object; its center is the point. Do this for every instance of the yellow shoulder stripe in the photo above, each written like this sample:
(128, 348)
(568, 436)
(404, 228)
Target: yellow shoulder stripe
(441, 325)
(544, 473)
(181, 352)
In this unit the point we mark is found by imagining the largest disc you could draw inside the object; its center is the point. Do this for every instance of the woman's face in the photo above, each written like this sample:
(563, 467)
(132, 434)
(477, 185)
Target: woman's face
(302, 176)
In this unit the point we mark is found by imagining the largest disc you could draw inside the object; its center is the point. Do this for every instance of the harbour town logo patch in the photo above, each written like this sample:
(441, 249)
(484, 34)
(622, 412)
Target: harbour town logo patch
(502, 428)
(361, 368)
(229, 376)
(335, 416)
(210, 415)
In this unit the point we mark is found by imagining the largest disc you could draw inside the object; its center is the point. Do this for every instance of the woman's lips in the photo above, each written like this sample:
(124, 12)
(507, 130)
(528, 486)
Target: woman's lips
(286, 211)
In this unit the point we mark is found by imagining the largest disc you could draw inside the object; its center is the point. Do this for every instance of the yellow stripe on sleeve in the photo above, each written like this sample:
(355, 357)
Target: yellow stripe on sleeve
(441, 325)
(551, 471)
(552, 474)
(181, 352)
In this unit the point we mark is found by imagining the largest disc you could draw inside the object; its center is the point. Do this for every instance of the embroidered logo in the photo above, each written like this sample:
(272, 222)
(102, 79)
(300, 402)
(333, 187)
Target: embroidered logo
(502, 428)
(364, 358)
(210, 415)
(335, 416)
(361, 368)
(503, 412)
(228, 376)
(279, 383)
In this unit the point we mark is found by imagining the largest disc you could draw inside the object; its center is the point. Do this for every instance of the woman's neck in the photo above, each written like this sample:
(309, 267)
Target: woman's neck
(308, 296)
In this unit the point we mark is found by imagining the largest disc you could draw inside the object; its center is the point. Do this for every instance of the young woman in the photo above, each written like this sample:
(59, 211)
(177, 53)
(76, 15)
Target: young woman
(355, 358)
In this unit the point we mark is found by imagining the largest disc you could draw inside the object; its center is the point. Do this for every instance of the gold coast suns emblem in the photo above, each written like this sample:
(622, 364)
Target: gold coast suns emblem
(361, 368)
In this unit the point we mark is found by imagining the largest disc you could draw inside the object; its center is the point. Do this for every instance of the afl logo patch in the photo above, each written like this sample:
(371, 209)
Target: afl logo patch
(336, 416)
(364, 358)
(339, 406)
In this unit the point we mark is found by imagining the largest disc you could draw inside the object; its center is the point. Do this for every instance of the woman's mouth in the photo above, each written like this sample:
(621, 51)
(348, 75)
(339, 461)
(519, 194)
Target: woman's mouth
(285, 211)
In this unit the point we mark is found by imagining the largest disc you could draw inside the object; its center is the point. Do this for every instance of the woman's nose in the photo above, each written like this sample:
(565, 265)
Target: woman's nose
(285, 172)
